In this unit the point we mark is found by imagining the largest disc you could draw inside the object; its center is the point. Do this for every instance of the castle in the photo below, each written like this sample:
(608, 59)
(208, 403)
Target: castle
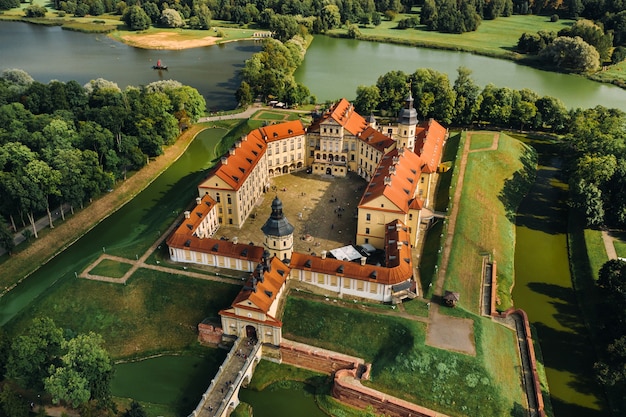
(398, 161)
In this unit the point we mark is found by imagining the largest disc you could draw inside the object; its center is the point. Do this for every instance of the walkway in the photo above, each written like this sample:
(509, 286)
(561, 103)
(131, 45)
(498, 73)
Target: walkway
(223, 393)
(608, 245)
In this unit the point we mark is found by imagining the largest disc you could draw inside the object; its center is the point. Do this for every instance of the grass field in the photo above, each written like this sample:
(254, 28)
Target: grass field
(597, 252)
(404, 366)
(153, 312)
(494, 37)
(482, 227)
(110, 268)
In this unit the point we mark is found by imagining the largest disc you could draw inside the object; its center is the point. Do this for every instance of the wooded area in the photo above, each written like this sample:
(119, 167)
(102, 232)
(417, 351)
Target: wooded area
(62, 143)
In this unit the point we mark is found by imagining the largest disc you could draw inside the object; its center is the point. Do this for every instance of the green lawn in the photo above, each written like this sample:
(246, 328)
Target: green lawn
(597, 252)
(482, 229)
(153, 312)
(110, 268)
(481, 141)
(404, 366)
(494, 37)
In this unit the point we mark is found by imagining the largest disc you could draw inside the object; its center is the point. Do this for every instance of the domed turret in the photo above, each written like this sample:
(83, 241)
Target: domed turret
(407, 124)
(278, 232)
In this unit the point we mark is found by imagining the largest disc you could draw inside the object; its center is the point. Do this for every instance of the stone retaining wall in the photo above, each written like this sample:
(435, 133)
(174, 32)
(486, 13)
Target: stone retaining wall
(348, 389)
(316, 359)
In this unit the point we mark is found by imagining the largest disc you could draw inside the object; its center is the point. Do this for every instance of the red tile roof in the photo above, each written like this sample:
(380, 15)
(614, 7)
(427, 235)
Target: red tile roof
(240, 161)
(399, 266)
(280, 131)
(396, 178)
(343, 113)
(376, 139)
(265, 290)
(430, 138)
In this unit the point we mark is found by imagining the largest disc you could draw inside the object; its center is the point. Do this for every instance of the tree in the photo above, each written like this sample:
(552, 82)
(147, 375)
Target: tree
(394, 88)
(33, 353)
(135, 410)
(6, 237)
(468, 98)
(434, 94)
(11, 402)
(572, 54)
(367, 99)
(330, 16)
(9, 4)
(35, 11)
(46, 183)
(592, 34)
(136, 18)
(171, 18)
(84, 374)
(284, 27)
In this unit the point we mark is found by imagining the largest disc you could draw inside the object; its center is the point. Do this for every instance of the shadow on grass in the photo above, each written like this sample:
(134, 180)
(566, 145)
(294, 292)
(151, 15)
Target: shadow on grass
(516, 187)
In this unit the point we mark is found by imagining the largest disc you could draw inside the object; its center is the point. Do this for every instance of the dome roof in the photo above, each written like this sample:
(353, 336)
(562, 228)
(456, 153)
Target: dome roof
(408, 115)
(277, 224)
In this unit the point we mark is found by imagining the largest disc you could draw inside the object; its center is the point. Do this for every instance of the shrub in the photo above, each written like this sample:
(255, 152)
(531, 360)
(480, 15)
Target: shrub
(618, 55)
(35, 11)
(554, 18)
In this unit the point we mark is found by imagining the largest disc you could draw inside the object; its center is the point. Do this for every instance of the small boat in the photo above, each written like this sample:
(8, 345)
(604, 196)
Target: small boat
(159, 66)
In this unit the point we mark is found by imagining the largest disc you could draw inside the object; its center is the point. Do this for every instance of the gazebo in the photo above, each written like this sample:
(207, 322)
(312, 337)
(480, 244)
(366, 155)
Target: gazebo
(451, 298)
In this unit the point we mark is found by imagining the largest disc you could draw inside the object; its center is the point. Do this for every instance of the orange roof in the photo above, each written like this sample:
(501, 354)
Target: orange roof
(376, 139)
(429, 142)
(396, 178)
(239, 162)
(343, 113)
(399, 266)
(280, 131)
(189, 225)
(263, 286)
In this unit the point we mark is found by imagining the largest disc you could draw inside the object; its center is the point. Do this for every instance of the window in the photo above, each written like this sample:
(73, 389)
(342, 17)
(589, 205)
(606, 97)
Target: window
(274, 243)
(352, 157)
(230, 211)
(422, 180)
(368, 217)
(367, 230)
(367, 240)
(284, 243)
(229, 200)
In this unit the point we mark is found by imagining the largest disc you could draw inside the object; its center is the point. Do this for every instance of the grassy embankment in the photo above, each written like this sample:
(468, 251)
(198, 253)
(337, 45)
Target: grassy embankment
(485, 226)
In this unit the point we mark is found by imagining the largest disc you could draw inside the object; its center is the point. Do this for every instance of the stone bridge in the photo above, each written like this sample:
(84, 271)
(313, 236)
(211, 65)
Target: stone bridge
(222, 396)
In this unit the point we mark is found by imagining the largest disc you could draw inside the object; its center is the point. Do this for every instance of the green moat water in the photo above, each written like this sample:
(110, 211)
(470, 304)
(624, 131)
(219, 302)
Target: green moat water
(543, 288)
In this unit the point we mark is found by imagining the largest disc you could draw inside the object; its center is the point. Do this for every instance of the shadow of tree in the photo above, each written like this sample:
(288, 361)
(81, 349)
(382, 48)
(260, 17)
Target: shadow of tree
(543, 208)
(516, 187)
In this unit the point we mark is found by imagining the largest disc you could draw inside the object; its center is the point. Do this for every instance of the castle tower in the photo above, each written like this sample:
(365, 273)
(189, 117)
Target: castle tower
(407, 123)
(278, 232)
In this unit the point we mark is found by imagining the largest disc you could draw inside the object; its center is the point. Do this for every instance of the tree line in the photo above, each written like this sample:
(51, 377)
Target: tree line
(63, 143)
(47, 363)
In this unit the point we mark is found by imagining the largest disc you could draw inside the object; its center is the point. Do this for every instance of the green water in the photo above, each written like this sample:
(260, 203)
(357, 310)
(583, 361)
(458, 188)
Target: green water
(175, 381)
(277, 401)
(127, 232)
(543, 288)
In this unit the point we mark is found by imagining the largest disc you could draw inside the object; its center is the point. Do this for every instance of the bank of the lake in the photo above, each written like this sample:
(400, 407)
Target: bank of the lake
(544, 289)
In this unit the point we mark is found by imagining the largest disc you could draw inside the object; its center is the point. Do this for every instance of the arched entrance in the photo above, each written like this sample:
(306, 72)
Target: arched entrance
(251, 332)
(329, 171)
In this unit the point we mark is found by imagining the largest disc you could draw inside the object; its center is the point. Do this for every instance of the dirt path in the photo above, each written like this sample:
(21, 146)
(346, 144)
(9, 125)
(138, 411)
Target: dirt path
(609, 247)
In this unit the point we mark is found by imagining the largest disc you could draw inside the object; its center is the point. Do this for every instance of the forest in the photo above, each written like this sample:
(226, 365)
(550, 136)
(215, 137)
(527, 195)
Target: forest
(65, 144)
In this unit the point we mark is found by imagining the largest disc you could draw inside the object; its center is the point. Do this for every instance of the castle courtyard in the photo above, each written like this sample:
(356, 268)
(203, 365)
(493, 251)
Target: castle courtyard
(322, 209)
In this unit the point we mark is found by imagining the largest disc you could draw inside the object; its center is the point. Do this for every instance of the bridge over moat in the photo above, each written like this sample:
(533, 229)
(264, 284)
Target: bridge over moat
(222, 396)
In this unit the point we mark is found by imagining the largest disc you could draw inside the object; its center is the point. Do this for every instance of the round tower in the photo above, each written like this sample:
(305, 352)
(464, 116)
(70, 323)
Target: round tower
(407, 124)
(278, 232)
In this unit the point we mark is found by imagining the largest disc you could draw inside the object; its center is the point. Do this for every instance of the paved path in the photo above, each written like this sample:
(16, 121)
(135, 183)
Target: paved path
(608, 245)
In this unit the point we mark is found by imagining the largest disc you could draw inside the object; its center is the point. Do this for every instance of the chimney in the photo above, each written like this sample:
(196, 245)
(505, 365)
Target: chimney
(323, 254)
(231, 151)
(224, 160)
(401, 151)
(363, 260)
(238, 144)
(399, 244)
(198, 200)
(235, 240)
(395, 160)
(187, 214)
(392, 170)
(244, 138)
(387, 181)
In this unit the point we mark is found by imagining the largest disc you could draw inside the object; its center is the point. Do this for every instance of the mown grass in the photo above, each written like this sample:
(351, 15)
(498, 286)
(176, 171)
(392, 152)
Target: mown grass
(110, 268)
(482, 227)
(404, 366)
(153, 312)
(494, 37)
(481, 141)
(416, 307)
(597, 252)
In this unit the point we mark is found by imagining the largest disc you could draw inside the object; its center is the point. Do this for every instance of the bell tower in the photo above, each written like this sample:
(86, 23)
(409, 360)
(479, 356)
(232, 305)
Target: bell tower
(407, 124)
(278, 233)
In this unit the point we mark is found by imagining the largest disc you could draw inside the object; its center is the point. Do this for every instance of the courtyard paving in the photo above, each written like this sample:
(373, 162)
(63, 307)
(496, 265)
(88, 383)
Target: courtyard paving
(322, 209)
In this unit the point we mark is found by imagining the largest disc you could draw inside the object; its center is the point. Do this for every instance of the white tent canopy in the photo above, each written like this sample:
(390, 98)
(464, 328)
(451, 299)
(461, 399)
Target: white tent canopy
(346, 253)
